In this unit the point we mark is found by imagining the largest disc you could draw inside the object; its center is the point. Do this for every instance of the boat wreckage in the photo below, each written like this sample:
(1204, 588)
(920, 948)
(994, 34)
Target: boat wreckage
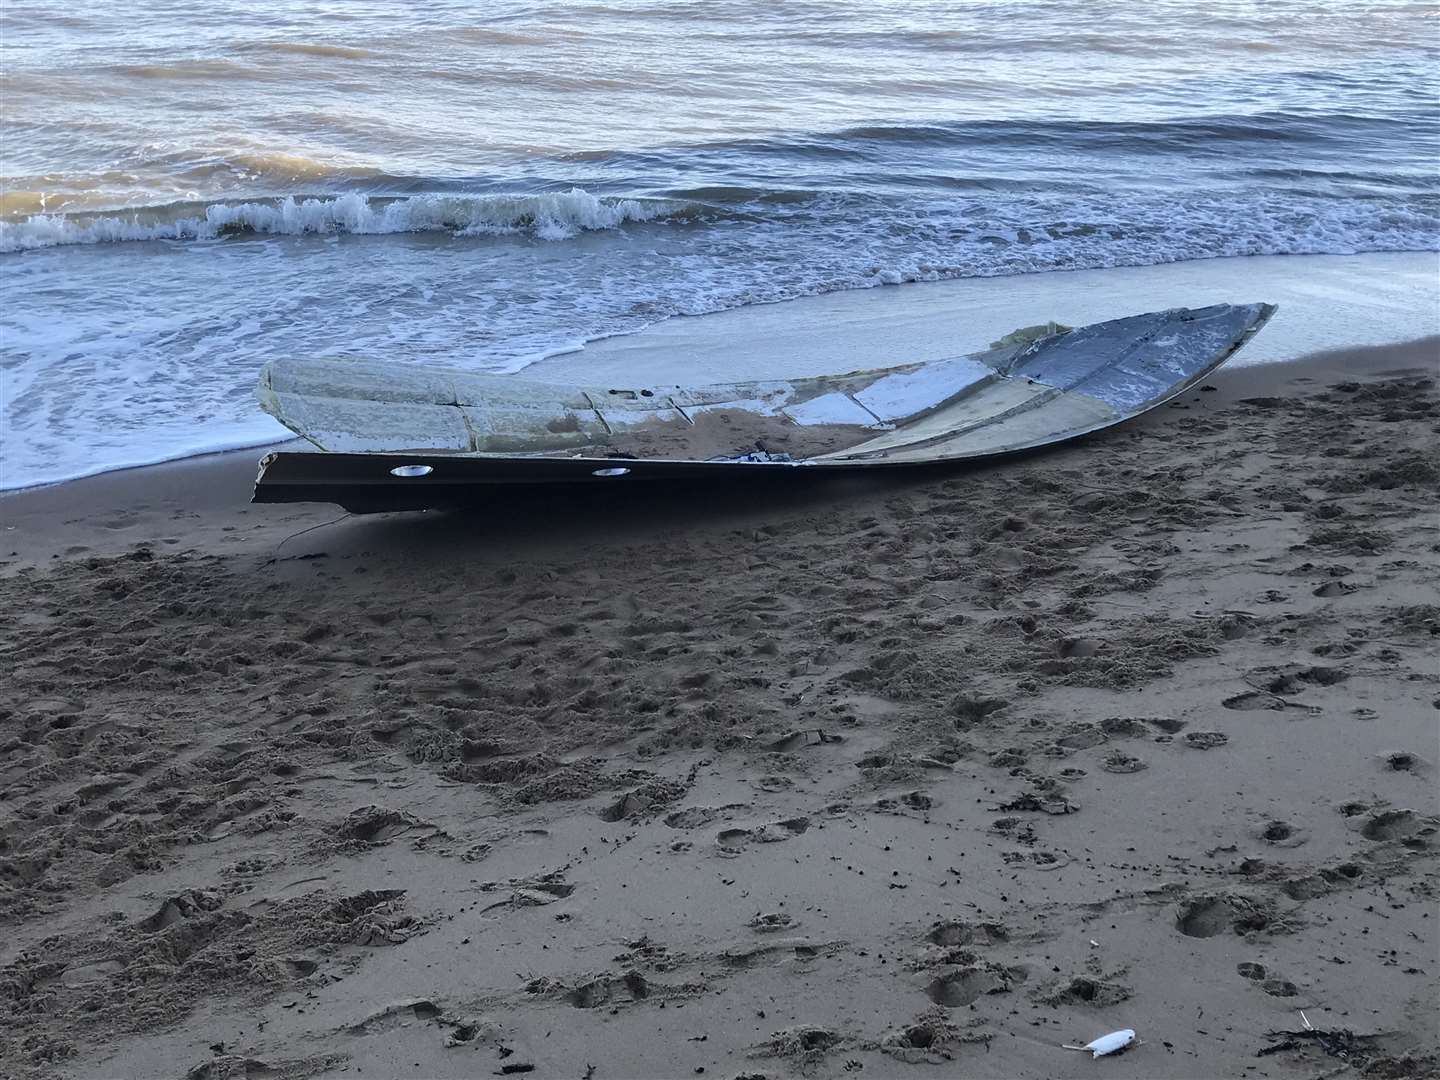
(401, 437)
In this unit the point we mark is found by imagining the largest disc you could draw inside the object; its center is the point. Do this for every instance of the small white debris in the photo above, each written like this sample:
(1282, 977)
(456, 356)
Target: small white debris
(1107, 1044)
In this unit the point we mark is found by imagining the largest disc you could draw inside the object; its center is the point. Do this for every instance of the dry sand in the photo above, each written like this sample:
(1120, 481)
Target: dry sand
(1140, 733)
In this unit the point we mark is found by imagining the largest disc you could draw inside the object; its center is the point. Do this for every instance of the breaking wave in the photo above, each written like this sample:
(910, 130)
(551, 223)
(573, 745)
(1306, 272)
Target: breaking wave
(552, 216)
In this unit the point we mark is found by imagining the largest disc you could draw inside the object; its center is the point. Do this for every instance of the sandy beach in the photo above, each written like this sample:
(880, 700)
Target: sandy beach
(889, 774)
(902, 778)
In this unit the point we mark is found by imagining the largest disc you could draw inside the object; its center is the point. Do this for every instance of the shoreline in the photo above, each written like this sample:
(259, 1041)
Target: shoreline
(106, 511)
(1326, 301)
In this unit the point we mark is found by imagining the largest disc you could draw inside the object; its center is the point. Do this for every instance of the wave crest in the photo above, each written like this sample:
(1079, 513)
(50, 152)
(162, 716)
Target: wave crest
(550, 216)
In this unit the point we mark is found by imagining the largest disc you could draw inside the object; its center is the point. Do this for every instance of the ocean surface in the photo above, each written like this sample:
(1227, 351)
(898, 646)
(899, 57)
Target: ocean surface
(190, 189)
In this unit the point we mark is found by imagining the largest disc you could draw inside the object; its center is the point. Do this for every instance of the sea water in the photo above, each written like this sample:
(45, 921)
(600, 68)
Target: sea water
(192, 189)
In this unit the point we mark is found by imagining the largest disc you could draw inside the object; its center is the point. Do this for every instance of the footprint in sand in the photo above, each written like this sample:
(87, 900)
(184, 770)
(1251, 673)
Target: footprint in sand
(464, 1031)
(236, 1067)
(926, 1041)
(182, 906)
(1081, 737)
(1403, 761)
(1235, 626)
(965, 985)
(1030, 802)
(913, 800)
(398, 1014)
(1118, 761)
(1078, 648)
(1406, 825)
(1294, 678)
(1211, 914)
(1205, 740)
(952, 932)
(609, 990)
(1084, 990)
(100, 784)
(634, 804)
(80, 975)
(968, 710)
(1166, 724)
(693, 817)
(1035, 860)
(1254, 701)
(778, 953)
(807, 1045)
(1281, 834)
(1127, 727)
(733, 841)
(1009, 758)
(1326, 880)
(771, 922)
(373, 825)
(1271, 984)
(808, 737)
(1309, 886)
(1273, 681)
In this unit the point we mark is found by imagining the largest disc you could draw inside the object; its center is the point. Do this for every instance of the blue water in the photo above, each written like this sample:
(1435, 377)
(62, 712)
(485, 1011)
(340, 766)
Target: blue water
(190, 190)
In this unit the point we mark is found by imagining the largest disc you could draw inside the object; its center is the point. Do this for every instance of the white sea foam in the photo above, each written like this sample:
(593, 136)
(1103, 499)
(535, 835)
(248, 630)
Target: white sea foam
(550, 216)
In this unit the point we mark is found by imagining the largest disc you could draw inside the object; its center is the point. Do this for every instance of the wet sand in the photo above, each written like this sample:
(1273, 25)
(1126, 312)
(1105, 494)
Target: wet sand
(1140, 733)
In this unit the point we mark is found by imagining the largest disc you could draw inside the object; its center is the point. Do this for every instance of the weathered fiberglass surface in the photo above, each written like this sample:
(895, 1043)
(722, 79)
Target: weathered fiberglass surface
(1132, 362)
(1008, 397)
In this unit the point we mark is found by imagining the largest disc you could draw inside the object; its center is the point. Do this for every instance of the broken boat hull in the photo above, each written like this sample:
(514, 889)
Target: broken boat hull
(398, 437)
